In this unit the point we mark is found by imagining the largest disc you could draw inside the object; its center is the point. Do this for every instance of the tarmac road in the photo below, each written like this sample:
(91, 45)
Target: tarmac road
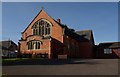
(76, 67)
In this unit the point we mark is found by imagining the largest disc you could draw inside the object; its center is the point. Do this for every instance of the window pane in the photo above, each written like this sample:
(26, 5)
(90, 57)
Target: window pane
(32, 45)
(107, 51)
(33, 31)
(45, 23)
(118, 50)
(38, 45)
(42, 30)
(39, 30)
(104, 52)
(45, 31)
(36, 31)
(110, 50)
(28, 45)
(48, 25)
(41, 22)
(35, 26)
(48, 30)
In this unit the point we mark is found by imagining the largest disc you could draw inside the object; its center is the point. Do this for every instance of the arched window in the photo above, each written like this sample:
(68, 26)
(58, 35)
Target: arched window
(41, 27)
(47, 29)
(40, 30)
(33, 45)
(35, 29)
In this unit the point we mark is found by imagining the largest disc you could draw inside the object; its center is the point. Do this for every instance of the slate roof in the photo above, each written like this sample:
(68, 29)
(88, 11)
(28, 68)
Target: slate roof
(48, 15)
(8, 45)
(87, 34)
(109, 45)
(82, 36)
(75, 36)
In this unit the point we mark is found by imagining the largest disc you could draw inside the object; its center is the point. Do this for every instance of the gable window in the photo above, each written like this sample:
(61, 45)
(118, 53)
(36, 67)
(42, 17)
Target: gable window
(41, 27)
(33, 45)
(47, 29)
(35, 32)
(108, 51)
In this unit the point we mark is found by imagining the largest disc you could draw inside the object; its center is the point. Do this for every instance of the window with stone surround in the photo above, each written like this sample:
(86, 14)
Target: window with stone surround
(42, 28)
(32, 45)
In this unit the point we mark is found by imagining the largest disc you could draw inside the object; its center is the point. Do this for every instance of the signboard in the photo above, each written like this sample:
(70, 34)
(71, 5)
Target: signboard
(62, 56)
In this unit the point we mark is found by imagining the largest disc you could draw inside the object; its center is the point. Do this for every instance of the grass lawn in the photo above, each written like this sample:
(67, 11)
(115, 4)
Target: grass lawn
(19, 61)
(14, 59)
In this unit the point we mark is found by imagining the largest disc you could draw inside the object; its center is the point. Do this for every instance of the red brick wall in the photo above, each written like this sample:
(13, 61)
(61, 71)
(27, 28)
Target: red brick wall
(86, 49)
(71, 47)
(56, 29)
(78, 49)
(56, 32)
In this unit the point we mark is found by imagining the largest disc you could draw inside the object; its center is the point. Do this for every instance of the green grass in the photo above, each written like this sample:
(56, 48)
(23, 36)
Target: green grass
(20, 59)
(15, 59)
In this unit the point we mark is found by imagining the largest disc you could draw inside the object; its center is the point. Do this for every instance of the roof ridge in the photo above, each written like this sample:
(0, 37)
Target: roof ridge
(108, 42)
(85, 30)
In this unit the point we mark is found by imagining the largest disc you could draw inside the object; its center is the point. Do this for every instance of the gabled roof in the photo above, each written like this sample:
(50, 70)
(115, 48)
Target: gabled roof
(109, 45)
(38, 15)
(32, 21)
(60, 24)
(7, 45)
(74, 35)
(87, 34)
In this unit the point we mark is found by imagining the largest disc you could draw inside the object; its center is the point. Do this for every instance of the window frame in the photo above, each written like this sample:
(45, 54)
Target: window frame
(118, 50)
(42, 27)
(34, 45)
(107, 51)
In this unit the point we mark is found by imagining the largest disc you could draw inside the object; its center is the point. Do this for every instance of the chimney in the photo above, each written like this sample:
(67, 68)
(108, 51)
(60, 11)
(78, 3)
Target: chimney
(59, 21)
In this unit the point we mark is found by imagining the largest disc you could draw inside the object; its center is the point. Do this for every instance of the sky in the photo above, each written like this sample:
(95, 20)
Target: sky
(100, 17)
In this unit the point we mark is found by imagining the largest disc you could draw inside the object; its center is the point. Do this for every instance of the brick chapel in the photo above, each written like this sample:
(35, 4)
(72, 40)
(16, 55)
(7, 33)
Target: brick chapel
(46, 37)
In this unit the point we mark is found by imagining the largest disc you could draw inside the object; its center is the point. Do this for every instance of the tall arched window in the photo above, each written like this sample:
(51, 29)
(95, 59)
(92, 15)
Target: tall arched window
(41, 27)
(33, 45)
(35, 29)
(47, 29)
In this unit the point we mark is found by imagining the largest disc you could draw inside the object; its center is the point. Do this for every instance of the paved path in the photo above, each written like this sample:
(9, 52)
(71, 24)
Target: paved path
(78, 67)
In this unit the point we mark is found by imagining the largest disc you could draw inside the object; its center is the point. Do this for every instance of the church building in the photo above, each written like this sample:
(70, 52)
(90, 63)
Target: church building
(46, 37)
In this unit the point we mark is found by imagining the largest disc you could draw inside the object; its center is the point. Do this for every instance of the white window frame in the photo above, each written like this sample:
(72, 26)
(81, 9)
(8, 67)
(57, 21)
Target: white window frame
(107, 51)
